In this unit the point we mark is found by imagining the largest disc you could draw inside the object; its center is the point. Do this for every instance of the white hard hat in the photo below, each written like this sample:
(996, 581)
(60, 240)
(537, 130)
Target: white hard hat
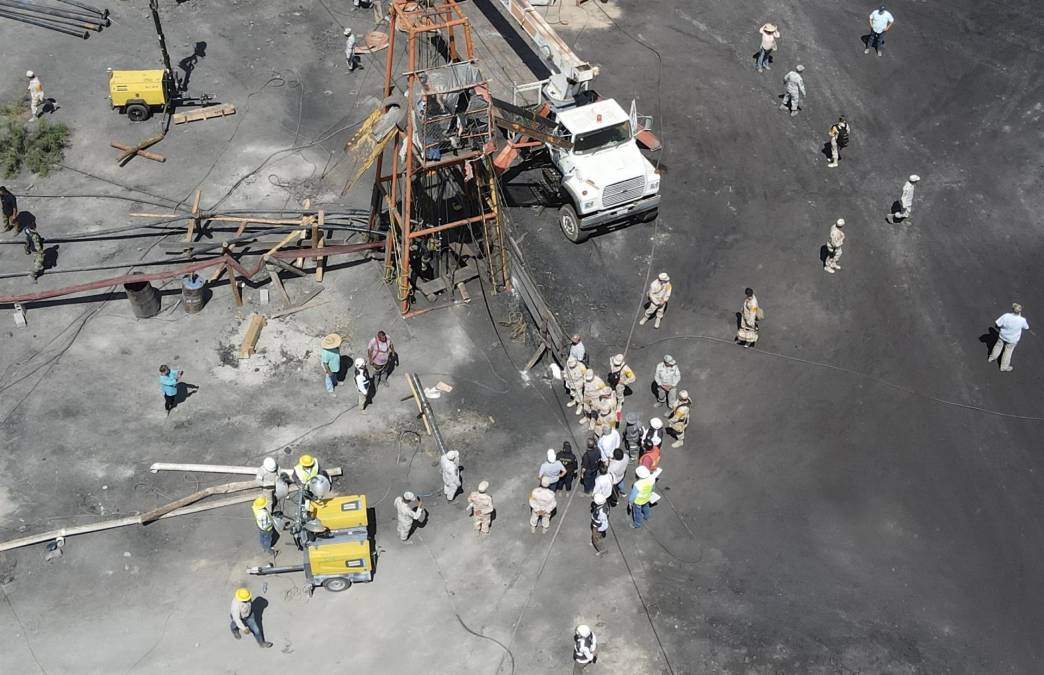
(269, 464)
(683, 394)
(551, 456)
(656, 423)
(408, 496)
(618, 360)
(642, 471)
(668, 359)
(483, 486)
(800, 68)
(583, 631)
(914, 178)
(347, 31)
(452, 454)
(599, 499)
(359, 362)
(840, 222)
(663, 276)
(30, 73)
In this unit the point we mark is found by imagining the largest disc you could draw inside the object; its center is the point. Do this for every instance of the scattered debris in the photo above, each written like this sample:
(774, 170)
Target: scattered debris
(207, 113)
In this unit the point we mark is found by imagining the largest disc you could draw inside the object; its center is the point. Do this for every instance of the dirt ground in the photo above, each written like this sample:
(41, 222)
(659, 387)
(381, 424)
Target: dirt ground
(856, 494)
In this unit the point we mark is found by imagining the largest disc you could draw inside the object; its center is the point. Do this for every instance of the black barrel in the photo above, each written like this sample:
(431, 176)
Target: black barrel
(192, 290)
(144, 299)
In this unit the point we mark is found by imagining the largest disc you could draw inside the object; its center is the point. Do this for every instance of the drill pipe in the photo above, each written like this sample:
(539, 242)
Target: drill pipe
(65, 14)
(103, 13)
(49, 26)
(74, 23)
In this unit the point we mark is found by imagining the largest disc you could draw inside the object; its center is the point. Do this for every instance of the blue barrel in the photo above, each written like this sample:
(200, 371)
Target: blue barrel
(192, 292)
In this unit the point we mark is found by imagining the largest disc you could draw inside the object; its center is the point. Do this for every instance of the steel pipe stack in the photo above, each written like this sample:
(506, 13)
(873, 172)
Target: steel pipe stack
(75, 22)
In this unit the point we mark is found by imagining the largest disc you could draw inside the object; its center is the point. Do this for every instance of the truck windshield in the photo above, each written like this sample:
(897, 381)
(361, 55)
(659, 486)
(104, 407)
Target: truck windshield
(602, 138)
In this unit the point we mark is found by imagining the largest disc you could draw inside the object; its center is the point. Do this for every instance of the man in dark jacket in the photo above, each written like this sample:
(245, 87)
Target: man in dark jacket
(9, 207)
(589, 465)
(568, 460)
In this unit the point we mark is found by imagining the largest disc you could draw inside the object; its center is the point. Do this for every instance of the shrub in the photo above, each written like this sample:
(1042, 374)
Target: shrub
(38, 146)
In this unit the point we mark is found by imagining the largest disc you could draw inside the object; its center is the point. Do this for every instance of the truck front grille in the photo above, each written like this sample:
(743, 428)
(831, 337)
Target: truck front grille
(623, 192)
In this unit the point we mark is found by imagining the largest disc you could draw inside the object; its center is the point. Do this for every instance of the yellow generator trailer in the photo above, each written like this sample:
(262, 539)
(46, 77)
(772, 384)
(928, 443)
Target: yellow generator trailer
(138, 93)
(340, 552)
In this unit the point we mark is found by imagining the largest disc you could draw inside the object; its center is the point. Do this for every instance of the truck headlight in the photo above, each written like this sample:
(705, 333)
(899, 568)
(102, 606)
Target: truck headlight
(588, 205)
(654, 183)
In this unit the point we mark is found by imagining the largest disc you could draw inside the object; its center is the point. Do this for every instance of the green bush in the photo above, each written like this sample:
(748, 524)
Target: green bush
(38, 146)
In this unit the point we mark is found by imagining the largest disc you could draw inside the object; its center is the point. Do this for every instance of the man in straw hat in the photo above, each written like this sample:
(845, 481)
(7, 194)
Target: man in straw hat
(905, 201)
(835, 241)
(330, 360)
(1010, 325)
(769, 35)
(659, 295)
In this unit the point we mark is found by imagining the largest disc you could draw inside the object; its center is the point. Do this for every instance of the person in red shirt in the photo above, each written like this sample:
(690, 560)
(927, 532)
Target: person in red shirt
(651, 458)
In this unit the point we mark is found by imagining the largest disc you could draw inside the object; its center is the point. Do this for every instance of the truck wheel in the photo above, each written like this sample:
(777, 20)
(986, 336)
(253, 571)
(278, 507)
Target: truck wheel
(570, 224)
(650, 216)
(336, 584)
(136, 112)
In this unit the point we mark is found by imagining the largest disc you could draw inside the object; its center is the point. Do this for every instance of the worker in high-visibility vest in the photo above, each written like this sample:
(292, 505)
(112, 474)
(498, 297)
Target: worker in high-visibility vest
(306, 469)
(642, 494)
(265, 524)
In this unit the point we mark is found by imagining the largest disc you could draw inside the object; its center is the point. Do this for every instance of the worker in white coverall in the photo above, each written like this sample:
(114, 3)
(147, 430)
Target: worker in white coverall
(408, 511)
(36, 95)
(905, 200)
(574, 382)
(349, 49)
(450, 465)
(794, 89)
(659, 294)
(835, 241)
(666, 380)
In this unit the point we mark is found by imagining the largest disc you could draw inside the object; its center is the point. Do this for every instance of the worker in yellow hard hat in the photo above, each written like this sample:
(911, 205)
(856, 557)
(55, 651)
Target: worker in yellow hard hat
(243, 618)
(265, 524)
(306, 469)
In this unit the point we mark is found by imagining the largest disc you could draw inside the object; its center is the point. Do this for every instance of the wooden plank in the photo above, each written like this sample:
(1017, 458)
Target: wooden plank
(319, 241)
(297, 308)
(416, 399)
(194, 221)
(224, 468)
(133, 150)
(233, 284)
(206, 113)
(155, 157)
(123, 522)
(154, 514)
(257, 322)
(287, 266)
(273, 274)
(536, 355)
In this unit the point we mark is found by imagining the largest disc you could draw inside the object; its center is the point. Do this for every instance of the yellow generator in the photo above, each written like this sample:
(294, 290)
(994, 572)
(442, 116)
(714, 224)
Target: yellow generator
(138, 93)
(340, 552)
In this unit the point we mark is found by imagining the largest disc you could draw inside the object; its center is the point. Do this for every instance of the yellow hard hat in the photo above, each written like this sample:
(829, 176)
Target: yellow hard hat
(307, 460)
(243, 594)
(260, 501)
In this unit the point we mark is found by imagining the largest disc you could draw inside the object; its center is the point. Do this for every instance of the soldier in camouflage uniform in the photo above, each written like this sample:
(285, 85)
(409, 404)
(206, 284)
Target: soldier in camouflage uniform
(34, 246)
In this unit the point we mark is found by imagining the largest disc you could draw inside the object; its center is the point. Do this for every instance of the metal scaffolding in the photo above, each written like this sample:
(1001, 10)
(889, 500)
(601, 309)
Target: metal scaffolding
(439, 202)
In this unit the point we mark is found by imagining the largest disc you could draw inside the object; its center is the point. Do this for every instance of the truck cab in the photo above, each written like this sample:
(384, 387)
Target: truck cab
(605, 177)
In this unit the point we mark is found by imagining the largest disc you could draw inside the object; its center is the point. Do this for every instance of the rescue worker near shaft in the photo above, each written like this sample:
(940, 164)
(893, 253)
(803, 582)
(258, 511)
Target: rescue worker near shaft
(306, 469)
(574, 382)
(265, 524)
(408, 512)
(8, 207)
(659, 296)
(34, 246)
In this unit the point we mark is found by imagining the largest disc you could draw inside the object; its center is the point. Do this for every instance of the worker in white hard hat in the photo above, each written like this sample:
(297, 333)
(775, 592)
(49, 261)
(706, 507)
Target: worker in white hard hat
(267, 476)
(835, 240)
(620, 377)
(449, 463)
(243, 618)
(641, 497)
(363, 384)
(265, 524)
(585, 646)
(905, 201)
(793, 90)
(480, 505)
(349, 49)
(659, 295)
(678, 420)
(599, 522)
(36, 95)
(573, 375)
(666, 381)
(408, 512)
(542, 503)
(652, 436)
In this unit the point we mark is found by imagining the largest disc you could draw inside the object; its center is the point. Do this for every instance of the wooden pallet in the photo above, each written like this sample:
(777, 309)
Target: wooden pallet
(207, 113)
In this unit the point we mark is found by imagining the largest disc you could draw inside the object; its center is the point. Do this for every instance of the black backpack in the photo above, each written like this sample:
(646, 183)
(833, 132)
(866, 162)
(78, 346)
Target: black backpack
(842, 135)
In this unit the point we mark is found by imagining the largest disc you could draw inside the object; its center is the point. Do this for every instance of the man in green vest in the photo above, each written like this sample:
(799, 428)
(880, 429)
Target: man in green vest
(265, 525)
(642, 494)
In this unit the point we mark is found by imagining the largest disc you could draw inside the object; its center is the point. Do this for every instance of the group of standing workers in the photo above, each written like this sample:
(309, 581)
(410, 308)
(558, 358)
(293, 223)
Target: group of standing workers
(368, 372)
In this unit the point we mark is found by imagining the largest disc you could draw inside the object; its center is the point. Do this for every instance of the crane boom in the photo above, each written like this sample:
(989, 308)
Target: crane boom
(553, 47)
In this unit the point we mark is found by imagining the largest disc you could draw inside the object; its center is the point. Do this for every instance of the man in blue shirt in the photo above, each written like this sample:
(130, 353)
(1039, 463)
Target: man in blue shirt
(169, 378)
(881, 21)
(1010, 326)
